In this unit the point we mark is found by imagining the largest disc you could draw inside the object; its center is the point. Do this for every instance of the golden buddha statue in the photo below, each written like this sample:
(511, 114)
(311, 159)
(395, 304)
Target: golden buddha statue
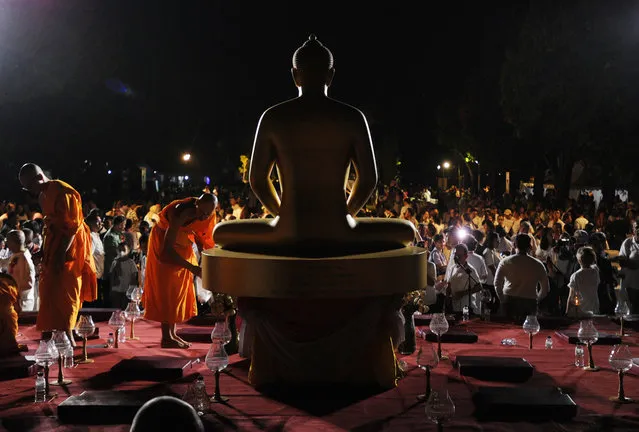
(312, 141)
(315, 256)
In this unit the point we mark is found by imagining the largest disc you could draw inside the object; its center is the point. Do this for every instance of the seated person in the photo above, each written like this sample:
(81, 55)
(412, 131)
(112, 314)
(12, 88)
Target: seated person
(21, 268)
(312, 141)
(462, 277)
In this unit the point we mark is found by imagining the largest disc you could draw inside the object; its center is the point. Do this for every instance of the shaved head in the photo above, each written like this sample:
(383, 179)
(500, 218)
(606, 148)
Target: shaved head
(29, 170)
(207, 198)
(18, 236)
(166, 413)
(206, 204)
(32, 178)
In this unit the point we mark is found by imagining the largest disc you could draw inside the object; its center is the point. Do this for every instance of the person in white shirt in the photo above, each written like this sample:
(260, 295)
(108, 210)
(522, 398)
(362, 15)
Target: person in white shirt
(555, 217)
(97, 247)
(492, 258)
(628, 258)
(581, 221)
(430, 293)
(516, 281)
(505, 246)
(94, 222)
(517, 218)
(526, 227)
(477, 219)
(4, 250)
(437, 255)
(406, 205)
(475, 260)
(508, 221)
(584, 283)
(238, 207)
(123, 274)
(544, 251)
(20, 266)
(460, 278)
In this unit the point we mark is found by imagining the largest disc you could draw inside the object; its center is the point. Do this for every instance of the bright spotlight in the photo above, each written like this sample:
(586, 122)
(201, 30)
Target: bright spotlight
(439, 167)
(446, 165)
(462, 234)
(186, 157)
(109, 172)
(186, 177)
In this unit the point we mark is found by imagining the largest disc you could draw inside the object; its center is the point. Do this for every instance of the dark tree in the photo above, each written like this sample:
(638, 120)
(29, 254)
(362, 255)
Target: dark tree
(569, 90)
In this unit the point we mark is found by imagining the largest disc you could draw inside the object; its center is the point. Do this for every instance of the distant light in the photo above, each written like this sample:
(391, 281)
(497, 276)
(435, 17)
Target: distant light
(155, 172)
(477, 162)
(207, 180)
(446, 165)
(439, 167)
(186, 157)
(109, 172)
(186, 177)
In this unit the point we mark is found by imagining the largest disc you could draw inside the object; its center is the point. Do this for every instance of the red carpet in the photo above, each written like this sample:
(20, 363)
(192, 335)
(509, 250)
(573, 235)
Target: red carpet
(395, 410)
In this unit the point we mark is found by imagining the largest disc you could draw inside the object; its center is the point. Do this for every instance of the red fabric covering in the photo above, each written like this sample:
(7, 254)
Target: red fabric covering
(395, 410)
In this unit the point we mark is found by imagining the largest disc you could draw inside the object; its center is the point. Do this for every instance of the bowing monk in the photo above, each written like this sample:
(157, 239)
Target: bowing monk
(169, 292)
(8, 315)
(68, 275)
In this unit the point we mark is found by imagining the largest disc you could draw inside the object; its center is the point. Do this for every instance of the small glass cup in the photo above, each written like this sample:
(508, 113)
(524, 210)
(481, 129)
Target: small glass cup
(588, 335)
(440, 408)
(85, 328)
(217, 360)
(531, 327)
(621, 360)
(439, 326)
(427, 359)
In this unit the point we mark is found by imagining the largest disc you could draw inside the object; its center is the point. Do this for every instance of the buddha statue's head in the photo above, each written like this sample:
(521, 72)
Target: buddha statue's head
(313, 64)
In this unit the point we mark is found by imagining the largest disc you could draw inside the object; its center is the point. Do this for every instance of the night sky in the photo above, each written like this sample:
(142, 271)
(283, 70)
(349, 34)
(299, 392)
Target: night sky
(145, 80)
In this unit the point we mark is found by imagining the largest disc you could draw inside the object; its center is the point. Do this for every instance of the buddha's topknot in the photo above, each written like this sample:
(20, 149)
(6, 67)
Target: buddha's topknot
(313, 55)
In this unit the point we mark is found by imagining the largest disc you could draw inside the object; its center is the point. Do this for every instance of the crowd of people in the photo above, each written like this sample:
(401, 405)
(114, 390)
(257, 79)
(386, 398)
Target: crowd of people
(462, 232)
(516, 256)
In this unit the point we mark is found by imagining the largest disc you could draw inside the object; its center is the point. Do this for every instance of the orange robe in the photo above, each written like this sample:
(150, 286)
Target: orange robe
(169, 291)
(8, 316)
(62, 292)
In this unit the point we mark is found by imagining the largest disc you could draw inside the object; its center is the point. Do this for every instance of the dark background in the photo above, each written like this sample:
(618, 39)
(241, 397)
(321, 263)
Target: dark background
(85, 82)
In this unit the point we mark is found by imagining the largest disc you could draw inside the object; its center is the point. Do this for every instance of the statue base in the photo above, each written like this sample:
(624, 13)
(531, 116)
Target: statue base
(318, 320)
(345, 342)
(351, 276)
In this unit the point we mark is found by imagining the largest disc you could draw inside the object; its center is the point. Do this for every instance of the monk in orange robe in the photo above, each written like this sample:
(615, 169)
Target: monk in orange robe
(171, 265)
(68, 274)
(9, 299)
